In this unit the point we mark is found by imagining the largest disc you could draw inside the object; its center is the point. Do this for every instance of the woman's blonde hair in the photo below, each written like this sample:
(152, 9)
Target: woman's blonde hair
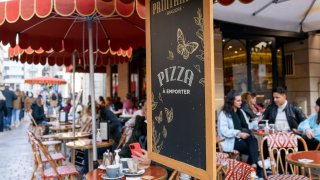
(2, 96)
(247, 97)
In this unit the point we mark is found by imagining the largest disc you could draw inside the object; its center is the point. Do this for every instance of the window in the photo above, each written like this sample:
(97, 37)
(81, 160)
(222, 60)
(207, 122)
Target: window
(235, 66)
(114, 80)
(289, 63)
(261, 68)
(247, 66)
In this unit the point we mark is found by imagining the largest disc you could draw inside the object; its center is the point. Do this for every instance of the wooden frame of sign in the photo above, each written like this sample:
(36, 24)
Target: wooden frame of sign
(180, 85)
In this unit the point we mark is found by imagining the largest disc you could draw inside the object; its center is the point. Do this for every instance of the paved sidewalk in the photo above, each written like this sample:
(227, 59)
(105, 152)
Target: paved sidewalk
(16, 158)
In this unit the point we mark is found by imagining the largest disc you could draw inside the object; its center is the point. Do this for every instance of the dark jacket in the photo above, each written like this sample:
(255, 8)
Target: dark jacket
(10, 97)
(246, 108)
(139, 132)
(118, 105)
(114, 124)
(294, 115)
(38, 113)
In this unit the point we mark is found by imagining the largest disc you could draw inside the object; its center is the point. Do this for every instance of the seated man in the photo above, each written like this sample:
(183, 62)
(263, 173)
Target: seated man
(282, 112)
(285, 116)
(106, 115)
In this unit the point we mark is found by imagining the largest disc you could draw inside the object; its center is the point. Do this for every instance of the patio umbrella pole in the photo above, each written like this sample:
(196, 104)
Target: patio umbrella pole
(93, 104)
(73, 93)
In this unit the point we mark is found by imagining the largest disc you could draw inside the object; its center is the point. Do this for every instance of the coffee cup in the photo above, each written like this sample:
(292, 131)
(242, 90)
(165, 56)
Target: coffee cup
(113, 171)
(184, 176)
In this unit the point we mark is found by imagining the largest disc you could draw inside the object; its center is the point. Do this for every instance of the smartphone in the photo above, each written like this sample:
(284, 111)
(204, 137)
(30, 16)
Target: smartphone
(135, 147)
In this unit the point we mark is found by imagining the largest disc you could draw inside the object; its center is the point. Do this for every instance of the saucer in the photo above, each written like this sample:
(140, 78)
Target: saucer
(126, 172)
(105, 176)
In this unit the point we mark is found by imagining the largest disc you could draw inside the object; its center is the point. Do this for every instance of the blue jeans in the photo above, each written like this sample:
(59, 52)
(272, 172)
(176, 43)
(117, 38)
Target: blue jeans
(7, 120)
(16, 115)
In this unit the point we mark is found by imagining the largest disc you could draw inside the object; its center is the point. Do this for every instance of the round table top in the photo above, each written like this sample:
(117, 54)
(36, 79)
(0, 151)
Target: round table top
(63, 127)
(297, 159)
(87, 144)
(51, 116)
(69, 135)
(49, 143)
(260, 132)
(48, 136)
(126, 116)
(152, 172)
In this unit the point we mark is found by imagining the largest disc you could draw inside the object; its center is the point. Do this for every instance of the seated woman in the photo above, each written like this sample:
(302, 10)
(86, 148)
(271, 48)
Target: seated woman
(38, 114)
(139, 134)
(233, 126)
(131, 122)
(249, 105)
(311, 128)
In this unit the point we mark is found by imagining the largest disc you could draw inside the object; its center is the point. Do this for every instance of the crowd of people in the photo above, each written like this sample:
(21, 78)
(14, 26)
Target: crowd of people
(13, 105)
(241, 115)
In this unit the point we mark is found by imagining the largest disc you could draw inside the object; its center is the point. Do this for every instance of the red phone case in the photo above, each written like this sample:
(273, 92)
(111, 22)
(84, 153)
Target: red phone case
(135, 147)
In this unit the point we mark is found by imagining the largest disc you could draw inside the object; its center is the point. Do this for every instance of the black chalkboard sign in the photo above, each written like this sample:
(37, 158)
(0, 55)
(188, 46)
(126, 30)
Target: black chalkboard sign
(177, 78)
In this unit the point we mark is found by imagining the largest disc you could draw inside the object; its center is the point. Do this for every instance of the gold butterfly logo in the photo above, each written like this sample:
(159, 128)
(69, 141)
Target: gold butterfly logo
(169, 114)
(160, 97)
(197, 68)
(185, 48)
(159, 118)
(164, 132)
(170, 56)
(201, 55)
(199, 34)
(154, 104)
(201, 81)
(198, 20)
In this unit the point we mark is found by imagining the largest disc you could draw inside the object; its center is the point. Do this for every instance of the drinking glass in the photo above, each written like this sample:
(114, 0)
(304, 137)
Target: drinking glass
(133, 165)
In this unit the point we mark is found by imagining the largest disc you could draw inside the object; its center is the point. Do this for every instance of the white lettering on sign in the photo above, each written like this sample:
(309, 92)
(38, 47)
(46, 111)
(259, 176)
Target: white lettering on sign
(176, 73)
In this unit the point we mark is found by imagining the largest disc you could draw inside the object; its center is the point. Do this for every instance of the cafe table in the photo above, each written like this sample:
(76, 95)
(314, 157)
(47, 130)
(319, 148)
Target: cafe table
(86, 144)
(307, 159)
(152, 172)
(52, 117)
(68, 136)
(60, 128)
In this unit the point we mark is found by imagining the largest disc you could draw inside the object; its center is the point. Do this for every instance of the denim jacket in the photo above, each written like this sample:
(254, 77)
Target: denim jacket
(311, 123)
(227, 131)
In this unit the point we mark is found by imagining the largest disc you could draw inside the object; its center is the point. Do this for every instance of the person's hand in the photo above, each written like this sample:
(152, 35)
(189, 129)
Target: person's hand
(142, 158)
(244, 135)
(260, 118)
(309, 133)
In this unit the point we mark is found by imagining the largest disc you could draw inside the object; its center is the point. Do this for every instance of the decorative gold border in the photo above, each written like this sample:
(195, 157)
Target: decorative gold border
(17, 50)
(210, 172)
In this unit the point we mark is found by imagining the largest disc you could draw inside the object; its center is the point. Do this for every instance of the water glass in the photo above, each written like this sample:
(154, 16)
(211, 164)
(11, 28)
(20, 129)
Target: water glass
(133, 165)
(272, 128)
